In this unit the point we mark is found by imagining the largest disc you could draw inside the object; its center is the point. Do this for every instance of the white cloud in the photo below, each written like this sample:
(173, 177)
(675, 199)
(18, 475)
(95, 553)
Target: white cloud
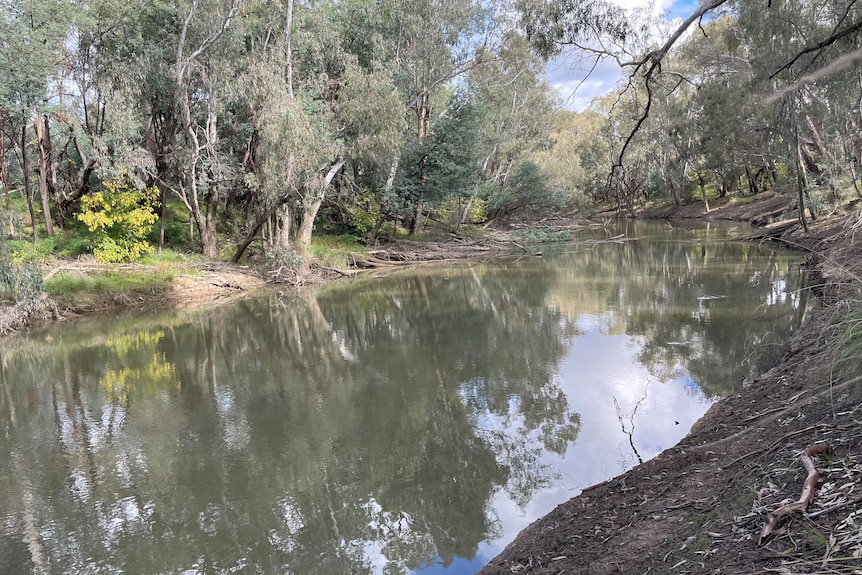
(576, 76)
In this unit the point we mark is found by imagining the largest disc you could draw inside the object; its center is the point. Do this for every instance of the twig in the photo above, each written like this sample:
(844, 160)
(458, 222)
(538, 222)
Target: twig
(808, 490)
(853, 501)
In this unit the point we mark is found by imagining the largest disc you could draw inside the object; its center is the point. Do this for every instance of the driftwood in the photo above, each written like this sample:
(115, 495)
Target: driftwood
(18, 316)
(772, 231)
(808, 490)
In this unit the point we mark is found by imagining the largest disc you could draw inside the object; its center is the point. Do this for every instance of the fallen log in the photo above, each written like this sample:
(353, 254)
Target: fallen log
(808, 490)
(769, 232)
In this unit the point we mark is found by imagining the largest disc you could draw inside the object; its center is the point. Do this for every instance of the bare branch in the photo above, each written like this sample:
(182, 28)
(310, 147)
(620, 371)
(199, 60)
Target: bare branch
(654, 59)
(842, 63)
(855, 27)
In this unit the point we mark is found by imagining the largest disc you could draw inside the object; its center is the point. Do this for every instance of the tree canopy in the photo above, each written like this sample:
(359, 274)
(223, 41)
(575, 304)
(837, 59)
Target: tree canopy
(259, 122)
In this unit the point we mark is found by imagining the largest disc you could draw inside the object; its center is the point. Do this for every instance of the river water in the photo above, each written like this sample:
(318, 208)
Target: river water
(406, 423)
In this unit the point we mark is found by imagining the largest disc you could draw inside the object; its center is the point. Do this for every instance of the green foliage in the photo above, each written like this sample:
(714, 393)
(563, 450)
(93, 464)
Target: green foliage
(452, 210)
(120, 216)
(443, 165)
(70, 246)
(524, 193)
(478, 211)
(541, 236)
(366, 214)
(848, 344)
(24, 251)
(20, 273)
(105, 286)
(336, 251)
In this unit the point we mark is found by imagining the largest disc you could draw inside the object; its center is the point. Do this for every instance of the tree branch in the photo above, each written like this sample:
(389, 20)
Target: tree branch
(855, 27)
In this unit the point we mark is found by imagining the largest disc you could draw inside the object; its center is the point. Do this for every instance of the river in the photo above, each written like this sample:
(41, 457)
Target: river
(412, 422)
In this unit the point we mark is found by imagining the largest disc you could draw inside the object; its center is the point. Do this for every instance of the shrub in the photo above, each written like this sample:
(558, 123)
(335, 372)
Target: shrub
(20, 278)
(120, 216)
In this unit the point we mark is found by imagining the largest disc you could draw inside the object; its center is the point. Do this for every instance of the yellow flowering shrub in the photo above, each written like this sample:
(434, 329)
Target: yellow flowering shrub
(120, 216)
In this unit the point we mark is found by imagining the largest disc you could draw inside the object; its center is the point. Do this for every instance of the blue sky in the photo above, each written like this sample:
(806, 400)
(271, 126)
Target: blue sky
(570, 73)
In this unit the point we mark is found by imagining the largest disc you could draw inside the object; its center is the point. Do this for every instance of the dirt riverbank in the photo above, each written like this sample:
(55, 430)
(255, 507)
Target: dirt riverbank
(715, 503)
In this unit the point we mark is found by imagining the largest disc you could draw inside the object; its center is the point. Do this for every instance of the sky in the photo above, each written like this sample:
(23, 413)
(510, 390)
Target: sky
(569, 73)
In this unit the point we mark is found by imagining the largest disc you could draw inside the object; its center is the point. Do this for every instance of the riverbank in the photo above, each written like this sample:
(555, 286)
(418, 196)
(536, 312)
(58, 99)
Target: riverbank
(720, 501)
(700, 507)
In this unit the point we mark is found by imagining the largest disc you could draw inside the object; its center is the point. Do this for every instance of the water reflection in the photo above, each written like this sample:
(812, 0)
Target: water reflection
(391, 425)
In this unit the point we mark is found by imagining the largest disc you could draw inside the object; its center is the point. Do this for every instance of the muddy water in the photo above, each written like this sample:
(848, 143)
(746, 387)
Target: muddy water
(410, 423)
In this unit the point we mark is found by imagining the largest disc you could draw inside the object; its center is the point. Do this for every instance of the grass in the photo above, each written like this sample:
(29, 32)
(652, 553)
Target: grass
(336, 251)
(103, 289)
(848, 343)
(168, 257)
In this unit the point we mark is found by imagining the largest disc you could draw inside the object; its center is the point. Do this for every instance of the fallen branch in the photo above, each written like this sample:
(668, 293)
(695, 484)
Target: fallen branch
(808, 490)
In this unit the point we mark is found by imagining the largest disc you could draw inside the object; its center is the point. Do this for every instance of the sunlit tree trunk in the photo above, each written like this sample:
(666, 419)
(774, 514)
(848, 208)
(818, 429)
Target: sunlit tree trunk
(25, 169)
(43, 174)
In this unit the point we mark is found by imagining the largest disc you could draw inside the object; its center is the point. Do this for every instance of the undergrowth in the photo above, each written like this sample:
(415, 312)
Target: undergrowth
(848, 343)
(336, 251)
(77, 289)
(541, 236)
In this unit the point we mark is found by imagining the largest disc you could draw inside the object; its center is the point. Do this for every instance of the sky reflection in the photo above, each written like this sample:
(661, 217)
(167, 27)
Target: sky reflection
(407, 424)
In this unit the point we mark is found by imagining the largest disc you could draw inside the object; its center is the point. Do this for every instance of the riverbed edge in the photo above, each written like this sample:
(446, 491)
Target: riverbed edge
(700, 506)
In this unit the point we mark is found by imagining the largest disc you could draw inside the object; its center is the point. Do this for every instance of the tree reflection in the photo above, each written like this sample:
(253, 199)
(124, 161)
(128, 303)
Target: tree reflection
(360, 429)
(692, 304)
(364, 428)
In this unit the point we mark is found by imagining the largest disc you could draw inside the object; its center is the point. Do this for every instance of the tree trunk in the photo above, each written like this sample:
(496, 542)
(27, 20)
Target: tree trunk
(208, 233)
(288, 49)
(43, 175)
(182, 76)
(800, 183)
(702, 183)
(752, 181)
(25, 170)
(310, 207)
(675, 189)
(4, 181)
(415, 217)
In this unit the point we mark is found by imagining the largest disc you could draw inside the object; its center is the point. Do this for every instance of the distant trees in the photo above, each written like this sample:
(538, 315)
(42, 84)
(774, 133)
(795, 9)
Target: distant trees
(258, 115)
(736, 99)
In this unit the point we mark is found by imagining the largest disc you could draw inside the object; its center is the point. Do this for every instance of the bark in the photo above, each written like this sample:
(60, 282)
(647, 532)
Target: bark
(82, 189)
(43, 175)
(288, 49)
(702, 182)
(809, 489)
(25, 169)
(285, 225)
(675, 189)
(53, 188)
(4, 181)
(262, 220)
(310, 207)
(182, 73)
(752, 181)
(800, 187)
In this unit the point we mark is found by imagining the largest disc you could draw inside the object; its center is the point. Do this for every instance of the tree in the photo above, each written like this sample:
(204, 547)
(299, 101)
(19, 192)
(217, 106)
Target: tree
(201, 136)
(443, 165)
(33, 32)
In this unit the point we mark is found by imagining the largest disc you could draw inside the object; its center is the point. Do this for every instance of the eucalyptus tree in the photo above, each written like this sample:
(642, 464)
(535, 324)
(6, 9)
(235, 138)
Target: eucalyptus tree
(314, 108)
(426, 60)
(33, 32)
(789, 49)
(576, 155)
(196, 77)
(516, 103)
